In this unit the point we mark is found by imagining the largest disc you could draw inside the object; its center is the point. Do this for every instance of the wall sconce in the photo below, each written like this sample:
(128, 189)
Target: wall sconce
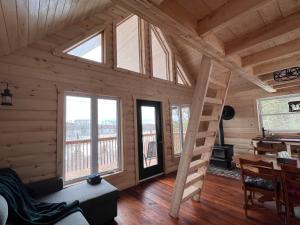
(6, 96)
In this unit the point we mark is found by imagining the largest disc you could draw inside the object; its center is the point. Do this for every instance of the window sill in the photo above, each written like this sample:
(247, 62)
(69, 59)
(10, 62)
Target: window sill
(83, 179)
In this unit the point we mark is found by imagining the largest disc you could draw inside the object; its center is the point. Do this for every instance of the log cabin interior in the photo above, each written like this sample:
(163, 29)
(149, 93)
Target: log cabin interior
(169, 101)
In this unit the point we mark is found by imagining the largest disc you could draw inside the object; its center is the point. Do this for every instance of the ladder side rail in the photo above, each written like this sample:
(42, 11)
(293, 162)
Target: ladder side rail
(192, 130)
(213, 126)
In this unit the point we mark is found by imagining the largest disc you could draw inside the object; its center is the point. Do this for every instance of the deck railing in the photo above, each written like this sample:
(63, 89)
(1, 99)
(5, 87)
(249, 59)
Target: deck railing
(78, 155)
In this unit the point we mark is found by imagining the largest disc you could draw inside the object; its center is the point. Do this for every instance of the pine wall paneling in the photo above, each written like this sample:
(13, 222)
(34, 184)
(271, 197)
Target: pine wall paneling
(30, 138)
(244, 126)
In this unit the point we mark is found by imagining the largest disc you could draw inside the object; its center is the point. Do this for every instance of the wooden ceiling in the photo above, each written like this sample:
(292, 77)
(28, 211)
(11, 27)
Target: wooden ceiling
(25, 21)
(253, 38)
(264, 35)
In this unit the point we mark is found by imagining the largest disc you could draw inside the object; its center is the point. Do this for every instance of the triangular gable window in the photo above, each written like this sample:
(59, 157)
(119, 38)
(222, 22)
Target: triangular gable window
(181, 75)
(90, 48)
(161, 56)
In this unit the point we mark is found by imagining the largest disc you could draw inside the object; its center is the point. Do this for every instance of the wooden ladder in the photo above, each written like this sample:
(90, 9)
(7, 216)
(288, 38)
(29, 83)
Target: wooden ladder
(206, 109)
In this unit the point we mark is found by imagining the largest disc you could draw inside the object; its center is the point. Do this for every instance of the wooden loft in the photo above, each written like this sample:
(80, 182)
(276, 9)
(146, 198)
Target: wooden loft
(135, 90)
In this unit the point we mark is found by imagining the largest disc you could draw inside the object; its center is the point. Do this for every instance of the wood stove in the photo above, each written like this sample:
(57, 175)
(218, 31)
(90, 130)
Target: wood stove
(222, 153)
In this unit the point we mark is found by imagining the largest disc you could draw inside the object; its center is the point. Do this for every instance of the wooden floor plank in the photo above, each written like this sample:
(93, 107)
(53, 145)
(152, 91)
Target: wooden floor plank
(221, 204)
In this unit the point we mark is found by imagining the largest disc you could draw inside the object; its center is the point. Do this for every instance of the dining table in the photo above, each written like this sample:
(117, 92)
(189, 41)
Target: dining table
(266, 158)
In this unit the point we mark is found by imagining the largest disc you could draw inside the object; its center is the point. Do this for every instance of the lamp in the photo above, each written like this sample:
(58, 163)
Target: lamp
(287, 74)
(6, 96)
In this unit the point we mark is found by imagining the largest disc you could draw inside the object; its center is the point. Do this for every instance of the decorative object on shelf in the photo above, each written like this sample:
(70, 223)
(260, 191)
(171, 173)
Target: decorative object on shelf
(294, 106)
(287, 74)
(94, 179)
(6, 96)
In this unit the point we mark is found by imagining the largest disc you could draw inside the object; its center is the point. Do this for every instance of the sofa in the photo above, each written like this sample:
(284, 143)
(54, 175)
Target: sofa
(98, 202)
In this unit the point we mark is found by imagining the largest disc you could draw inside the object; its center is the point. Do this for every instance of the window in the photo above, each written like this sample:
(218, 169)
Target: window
(274, 114)
(128, 44)
(92, 136)
(161, 58)
(181, 76)
(180, 120)
(90, 49)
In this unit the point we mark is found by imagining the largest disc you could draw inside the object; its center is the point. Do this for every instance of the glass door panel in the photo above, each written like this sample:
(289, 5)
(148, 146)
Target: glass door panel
(150, 145)
(149, 136)
(108, 135)
(77, 157)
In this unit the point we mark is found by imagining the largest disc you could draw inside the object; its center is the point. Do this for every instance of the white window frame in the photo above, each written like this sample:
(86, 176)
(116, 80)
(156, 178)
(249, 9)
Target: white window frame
(180, 106)
(169, 59)
(94, 134)
(81, 41)
(260, 115)
(140, 44)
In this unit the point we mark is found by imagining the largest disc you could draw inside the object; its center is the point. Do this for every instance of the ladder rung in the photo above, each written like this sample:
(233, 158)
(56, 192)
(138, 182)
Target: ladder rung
(209, 118)
(205, 134)
(198, 163)
(190, 191)
(194, 177)
(216, 84)
(215, 101)
(201, 149)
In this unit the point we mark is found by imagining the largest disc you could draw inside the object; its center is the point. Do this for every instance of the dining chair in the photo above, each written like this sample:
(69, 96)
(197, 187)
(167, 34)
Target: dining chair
(291, 189)
(259, 177)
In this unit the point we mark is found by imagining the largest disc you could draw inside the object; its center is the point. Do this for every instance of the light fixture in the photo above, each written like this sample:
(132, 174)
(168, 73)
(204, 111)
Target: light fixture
(287, 74)
(6, 96)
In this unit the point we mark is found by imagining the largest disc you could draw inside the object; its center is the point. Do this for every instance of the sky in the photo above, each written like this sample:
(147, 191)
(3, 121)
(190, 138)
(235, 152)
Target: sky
(79, 108)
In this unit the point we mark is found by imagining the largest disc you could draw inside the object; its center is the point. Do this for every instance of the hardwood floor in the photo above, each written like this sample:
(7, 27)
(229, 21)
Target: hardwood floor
(221, 204)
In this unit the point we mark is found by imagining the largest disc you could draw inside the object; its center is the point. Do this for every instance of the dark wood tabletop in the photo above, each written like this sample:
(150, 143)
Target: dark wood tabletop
(279, 139)
(265, 158)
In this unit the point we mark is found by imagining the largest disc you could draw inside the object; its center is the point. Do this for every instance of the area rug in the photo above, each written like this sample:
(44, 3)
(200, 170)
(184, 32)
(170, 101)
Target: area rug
(234, 173)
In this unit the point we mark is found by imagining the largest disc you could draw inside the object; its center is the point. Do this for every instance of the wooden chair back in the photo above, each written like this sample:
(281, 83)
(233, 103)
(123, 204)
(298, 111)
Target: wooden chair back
(291, 189)
(291, 177)
(259, 169)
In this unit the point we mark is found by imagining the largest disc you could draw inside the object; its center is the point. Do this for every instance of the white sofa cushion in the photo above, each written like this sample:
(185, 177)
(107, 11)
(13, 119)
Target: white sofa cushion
(3, 210)
(74, 219)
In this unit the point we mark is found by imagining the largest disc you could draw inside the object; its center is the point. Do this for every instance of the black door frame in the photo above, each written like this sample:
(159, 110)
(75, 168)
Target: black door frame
(151, 171)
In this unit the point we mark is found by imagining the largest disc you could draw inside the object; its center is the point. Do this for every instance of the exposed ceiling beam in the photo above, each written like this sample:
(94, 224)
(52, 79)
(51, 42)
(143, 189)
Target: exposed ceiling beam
(226, 13)
(266, 33)
(273, 53)
(266, 77)
(215, 42)
(157, 2)
(276, 65)
(173, 19)
(288, 85)
(274, 83)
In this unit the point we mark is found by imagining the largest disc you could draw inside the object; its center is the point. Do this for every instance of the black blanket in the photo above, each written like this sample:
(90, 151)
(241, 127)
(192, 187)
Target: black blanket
(26, 210)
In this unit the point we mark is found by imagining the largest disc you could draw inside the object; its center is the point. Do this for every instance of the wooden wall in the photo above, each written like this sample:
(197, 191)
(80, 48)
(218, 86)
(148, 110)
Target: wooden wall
(28, 129)
(244, 126)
